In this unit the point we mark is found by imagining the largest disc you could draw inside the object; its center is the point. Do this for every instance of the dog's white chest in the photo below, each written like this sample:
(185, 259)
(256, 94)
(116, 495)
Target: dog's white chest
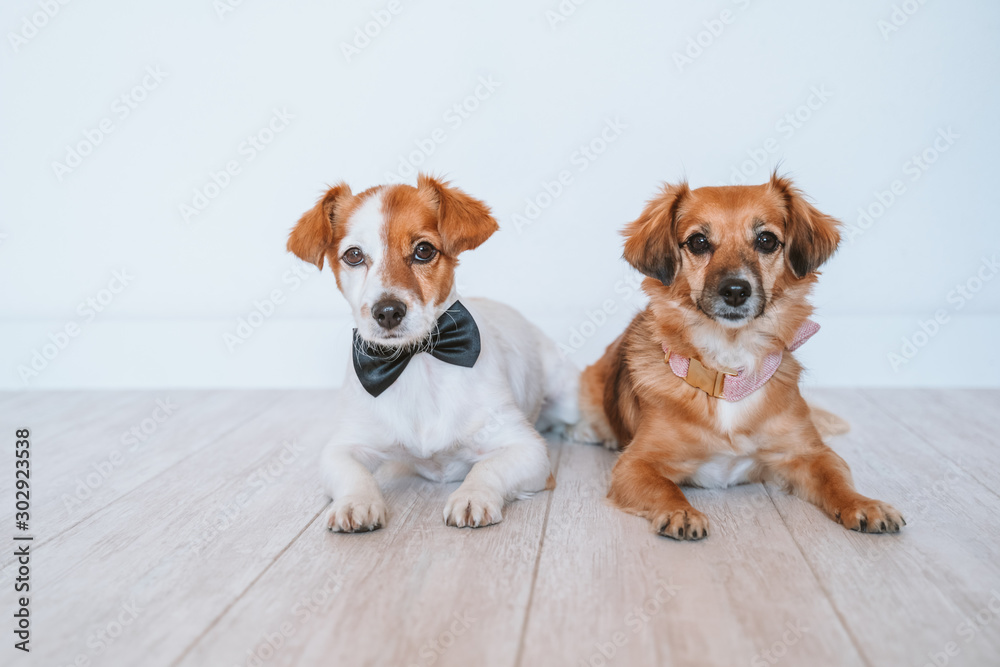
(722, 471)
(420, 410)
(730, 469)
(730, 417)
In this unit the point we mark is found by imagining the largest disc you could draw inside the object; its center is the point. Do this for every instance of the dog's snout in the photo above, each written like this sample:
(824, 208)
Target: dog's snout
(734, 291)
(389, 313)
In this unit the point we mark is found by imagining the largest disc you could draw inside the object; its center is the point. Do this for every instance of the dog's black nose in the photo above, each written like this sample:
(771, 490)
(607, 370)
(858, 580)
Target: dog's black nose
(389, 313)
(734, 292)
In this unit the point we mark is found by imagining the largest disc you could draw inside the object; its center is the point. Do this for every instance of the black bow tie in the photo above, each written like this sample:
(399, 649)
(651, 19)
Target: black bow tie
(455, 340)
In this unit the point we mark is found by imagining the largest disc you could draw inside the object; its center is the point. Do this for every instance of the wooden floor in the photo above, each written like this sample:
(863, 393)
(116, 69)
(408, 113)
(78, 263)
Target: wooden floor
(202, 544)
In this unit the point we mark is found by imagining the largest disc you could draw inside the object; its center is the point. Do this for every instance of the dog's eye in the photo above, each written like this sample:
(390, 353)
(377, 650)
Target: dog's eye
(424, 252)
(353, 257)
(767, 242)
(698, 244)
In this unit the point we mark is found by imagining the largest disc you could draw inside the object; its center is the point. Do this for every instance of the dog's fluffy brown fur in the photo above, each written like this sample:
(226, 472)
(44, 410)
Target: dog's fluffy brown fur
(672, 433)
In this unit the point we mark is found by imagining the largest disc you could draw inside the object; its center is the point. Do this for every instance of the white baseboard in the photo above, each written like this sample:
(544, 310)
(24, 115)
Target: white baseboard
(308, 353)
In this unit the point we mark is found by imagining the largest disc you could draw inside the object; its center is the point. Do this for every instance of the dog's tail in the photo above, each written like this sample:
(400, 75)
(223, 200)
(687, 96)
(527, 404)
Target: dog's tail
(827, 423)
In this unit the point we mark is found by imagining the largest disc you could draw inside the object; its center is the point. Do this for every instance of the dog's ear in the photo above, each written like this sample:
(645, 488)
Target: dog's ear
(312, 236)
(463, 222)
(650, 241)
(811, 237)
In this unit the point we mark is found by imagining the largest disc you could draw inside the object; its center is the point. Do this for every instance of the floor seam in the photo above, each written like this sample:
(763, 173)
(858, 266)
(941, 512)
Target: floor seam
(225, 610)
(519, 656)
(906, 427)
(157, 475)
(819, 582)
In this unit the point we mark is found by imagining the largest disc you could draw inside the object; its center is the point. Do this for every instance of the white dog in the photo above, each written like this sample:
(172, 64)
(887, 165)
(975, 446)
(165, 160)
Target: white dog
(452, 387)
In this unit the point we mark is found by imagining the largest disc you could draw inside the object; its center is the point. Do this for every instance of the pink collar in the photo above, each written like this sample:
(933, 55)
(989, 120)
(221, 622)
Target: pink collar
(735, 385)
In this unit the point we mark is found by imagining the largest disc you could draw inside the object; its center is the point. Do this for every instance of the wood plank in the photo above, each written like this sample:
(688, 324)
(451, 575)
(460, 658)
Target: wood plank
(184, 545)
(985, 402)
(961, 425)
(906, 597)
(47, 414)
(11, 400)
(724, 600)
(77, 416)
(416, 592)
(771, 560)
(55, 411)
(14, 400)
(79, 470)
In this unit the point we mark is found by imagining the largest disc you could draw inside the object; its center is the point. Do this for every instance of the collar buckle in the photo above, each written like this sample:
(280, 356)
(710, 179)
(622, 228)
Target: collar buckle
(709, 381)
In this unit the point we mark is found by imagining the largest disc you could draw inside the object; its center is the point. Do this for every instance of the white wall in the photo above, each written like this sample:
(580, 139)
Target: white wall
(883, 98)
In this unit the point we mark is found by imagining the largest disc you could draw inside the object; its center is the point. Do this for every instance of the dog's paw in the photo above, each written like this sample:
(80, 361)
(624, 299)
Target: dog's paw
(586, 433)
(474, 508)
(682, 524)
(871, 516)
(356, 514)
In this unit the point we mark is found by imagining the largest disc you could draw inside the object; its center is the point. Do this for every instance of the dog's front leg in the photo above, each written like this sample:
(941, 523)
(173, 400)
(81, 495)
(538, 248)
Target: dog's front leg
(817, 474)
(642, 484)
(358, 505)
(518, 464)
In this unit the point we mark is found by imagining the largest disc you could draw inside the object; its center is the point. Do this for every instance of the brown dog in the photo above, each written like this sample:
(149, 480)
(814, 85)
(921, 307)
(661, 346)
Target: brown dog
(701, 389)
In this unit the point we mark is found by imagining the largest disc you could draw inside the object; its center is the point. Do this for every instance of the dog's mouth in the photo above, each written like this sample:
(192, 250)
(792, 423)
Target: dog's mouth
(409, 333)
(390, 339)
(729, 316)
(388, 348)
(735, 319)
